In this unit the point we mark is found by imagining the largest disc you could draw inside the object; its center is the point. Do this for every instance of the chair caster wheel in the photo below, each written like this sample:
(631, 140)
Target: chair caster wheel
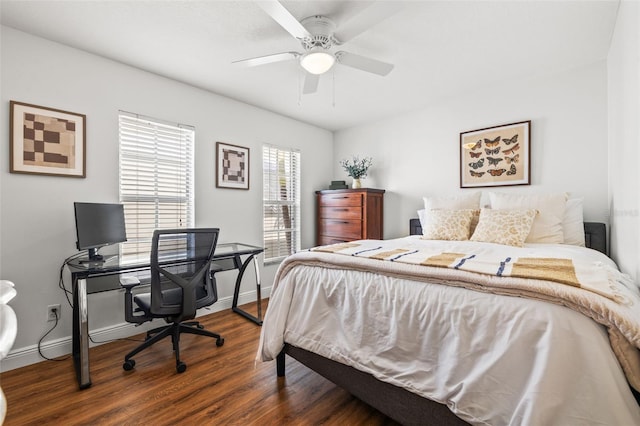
(128, 365)
(181, 367)
(219, 342)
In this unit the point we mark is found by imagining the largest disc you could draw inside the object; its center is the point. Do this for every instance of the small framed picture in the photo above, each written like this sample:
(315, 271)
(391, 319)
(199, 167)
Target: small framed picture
(232, 166)
(47, 141)
(496, 156)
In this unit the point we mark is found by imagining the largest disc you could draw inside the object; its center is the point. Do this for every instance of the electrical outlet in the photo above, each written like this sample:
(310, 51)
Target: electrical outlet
(52, 312)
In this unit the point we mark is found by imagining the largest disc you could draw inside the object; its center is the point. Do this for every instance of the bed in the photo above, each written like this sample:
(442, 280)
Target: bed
(471, 351)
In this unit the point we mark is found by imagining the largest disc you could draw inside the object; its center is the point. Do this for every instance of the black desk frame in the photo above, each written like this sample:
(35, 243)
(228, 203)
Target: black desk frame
(229, 257)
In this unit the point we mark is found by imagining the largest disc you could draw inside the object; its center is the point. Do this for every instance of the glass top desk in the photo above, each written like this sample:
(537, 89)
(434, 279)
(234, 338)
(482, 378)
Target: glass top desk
(227, 256)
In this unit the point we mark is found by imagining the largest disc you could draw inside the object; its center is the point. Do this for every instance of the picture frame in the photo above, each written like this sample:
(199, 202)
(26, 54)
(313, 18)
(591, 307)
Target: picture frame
(47, 141)
(232, 166)
(496, 156)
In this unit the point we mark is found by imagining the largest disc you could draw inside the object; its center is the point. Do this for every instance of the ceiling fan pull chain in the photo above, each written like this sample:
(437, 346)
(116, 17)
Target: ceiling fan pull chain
(299, 89)
(333, 78)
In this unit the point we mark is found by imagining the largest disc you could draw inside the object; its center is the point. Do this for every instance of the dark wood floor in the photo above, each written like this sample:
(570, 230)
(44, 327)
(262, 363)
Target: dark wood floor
(222, 385)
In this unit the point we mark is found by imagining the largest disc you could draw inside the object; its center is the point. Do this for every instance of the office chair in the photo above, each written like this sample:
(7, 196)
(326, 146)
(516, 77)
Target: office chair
(182, 281)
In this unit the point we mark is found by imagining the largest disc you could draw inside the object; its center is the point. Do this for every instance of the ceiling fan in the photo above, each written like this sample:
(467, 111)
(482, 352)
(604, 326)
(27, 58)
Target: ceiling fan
(318, 35)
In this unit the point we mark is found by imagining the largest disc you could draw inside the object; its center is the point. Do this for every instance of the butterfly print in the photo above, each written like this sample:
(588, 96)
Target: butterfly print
(510, 141)
(496, 172)
(477, 164)
(492, 143)
(513, 159)
(476, 174)
(475, 154)
(494, 161)
(512, 150)
(512, 170)
(492, 151)
(477, 145)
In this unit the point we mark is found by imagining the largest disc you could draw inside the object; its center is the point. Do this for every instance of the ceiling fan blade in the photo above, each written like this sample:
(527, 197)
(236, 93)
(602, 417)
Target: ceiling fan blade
(310, 83)
(261, 60)
(363, 63)
(377, 12)
(283, 17)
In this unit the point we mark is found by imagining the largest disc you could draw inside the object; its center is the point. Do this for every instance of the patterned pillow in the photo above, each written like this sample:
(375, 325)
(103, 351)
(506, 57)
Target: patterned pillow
(509, 227)
(448, 225)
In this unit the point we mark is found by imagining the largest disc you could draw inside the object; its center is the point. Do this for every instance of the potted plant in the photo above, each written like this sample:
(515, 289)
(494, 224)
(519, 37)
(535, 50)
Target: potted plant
(356, 168)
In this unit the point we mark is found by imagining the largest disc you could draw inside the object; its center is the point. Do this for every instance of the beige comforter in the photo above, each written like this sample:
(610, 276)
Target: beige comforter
(597, 290)
(492, 359)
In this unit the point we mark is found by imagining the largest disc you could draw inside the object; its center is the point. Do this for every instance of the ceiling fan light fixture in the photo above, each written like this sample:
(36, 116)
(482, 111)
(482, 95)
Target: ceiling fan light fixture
(317, 61)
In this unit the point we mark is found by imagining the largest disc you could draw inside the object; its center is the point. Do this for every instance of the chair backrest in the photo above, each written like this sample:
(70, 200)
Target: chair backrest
(180, 270)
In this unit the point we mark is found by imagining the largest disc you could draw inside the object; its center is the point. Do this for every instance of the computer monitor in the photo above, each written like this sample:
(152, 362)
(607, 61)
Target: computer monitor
(98, 225)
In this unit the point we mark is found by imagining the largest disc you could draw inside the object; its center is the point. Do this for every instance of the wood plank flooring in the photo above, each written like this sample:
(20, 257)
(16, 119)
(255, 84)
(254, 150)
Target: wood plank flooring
(222, 386)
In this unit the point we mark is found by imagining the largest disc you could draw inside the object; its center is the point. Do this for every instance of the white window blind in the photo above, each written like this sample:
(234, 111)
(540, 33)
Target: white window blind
(281, 201)
(156, 180)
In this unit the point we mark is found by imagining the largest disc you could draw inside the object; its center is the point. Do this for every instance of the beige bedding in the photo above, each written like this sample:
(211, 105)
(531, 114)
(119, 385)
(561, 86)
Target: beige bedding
(491, 359)
(594, 288)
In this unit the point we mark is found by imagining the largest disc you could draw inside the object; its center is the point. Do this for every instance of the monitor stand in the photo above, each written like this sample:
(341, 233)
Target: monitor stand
(94, 258)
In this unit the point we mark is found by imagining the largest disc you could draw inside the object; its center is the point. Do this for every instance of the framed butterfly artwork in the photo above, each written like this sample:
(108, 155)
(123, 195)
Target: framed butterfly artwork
(496, 156)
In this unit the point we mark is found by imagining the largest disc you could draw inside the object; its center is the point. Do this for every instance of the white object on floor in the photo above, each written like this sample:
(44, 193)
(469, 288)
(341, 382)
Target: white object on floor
(8, 331)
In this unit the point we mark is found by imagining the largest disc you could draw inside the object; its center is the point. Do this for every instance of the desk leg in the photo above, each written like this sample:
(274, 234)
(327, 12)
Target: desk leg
(258, 292)
(236, 292)
(81, 333)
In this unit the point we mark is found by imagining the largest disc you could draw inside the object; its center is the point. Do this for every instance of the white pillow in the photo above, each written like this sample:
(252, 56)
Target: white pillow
(509, 227)
(452, 225)
(421, 215)
(547, 225)
(469, 201)
(453, 202)
(573, 223)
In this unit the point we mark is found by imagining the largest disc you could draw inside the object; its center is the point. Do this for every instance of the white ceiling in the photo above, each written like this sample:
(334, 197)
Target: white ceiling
(439, 48)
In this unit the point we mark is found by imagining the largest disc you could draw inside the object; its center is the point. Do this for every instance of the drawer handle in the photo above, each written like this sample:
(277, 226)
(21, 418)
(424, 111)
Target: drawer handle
(340, 221)
(336, 197)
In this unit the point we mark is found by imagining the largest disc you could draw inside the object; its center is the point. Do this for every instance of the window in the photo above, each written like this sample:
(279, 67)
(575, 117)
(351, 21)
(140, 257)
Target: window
(281, 201)
(156, 180)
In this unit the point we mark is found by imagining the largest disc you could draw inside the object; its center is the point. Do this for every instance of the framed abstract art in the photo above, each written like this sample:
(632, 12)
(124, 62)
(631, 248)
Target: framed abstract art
(496, 156)
(232, 166)
(47, 141)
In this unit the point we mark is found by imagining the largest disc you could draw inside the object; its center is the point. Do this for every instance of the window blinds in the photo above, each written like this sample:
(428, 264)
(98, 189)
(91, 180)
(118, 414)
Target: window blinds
(156, 180)
(281, 201)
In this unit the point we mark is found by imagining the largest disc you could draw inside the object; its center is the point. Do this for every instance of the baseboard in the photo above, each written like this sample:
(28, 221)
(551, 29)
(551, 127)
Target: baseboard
(21, 357)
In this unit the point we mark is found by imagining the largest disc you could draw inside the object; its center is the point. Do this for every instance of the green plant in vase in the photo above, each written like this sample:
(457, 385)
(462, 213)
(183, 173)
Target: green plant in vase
(356, 168)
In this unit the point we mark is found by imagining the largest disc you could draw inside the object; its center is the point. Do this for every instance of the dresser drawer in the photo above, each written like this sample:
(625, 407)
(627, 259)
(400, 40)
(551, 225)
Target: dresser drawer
(348, 214)
(345, 229)
(341, 212)
(325, 240)
(340, 200)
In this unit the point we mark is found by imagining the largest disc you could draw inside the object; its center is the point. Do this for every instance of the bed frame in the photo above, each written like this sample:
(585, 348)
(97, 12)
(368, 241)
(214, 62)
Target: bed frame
(397, 403)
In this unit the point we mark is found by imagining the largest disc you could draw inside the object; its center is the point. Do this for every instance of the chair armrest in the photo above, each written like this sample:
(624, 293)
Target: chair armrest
(7, 291)
(7, 283)
(129, 282)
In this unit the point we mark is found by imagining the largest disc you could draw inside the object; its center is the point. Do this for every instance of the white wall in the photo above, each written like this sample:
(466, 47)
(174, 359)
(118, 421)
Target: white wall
(418, 154)
(624, 153)
(37, 223)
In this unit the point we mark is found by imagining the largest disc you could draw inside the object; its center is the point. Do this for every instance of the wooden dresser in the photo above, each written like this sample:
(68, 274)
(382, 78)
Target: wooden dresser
(349, 214)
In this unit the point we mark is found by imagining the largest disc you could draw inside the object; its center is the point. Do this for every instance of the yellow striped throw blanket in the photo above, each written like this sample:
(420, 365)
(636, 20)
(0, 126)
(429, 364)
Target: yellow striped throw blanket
(593, 277)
